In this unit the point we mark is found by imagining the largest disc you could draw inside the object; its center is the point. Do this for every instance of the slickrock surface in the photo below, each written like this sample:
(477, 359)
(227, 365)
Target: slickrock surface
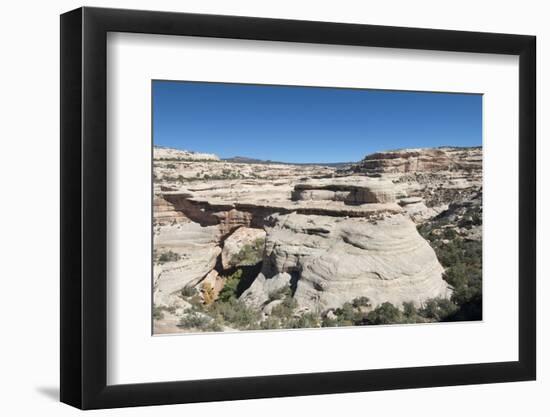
(196, 250)
(337, 260)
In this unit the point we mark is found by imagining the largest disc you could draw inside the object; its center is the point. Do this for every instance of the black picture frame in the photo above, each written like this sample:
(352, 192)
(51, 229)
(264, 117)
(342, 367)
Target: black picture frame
(84, 207)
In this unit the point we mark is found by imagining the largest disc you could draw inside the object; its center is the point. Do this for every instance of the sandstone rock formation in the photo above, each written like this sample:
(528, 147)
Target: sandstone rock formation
(243, 248)
(196, 251)
(358, 190)
(416, 209)
(421, 160)
(329, 261)
(330, 235)
(170, 154)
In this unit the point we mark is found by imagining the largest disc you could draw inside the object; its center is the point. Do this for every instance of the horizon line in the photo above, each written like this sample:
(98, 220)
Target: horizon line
(314, 162)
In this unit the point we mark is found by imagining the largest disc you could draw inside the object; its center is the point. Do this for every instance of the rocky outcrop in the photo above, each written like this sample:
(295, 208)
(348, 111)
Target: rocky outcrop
(355, 191)
(329, 235)
(244, 247)
(169, 154)
(416, 209)
(330, 261)
(231, 213)
(211, 286)
(421, 160)
(165, 213)
(190, 253)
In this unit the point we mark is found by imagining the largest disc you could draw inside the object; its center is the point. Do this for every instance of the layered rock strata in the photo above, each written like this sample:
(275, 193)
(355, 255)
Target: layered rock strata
(329, 235)
(421, 160)
(330, 261)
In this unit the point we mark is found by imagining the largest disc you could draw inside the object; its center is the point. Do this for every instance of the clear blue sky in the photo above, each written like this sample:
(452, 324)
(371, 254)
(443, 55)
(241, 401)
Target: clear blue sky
(308, 124)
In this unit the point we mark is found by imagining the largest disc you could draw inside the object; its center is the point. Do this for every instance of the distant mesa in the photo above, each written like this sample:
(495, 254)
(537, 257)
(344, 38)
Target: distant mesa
(245, 160)
(169, 154)
(421, 160)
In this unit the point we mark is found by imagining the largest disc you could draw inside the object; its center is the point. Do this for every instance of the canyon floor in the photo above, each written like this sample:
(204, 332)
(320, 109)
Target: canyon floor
(251, 245)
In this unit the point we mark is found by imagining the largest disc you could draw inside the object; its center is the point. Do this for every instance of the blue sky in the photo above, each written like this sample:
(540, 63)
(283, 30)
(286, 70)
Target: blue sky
(308, 124)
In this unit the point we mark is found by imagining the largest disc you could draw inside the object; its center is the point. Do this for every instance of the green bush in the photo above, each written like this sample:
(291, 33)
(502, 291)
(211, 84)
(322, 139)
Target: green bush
(235, 313)
(188, 292)
(158, 313)
(305, 321)
(438, 309)
(328, 322)
(348, 315)
(270, 323)
(250, 254)
(194, 320)
(285, 310)
(361, 302)
(229, 290)
(462, 260)
(280, 294)
(386, 313)
(169, 256)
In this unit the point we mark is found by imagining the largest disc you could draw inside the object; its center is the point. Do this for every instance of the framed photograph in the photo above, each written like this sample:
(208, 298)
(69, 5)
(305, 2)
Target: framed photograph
(257, 208)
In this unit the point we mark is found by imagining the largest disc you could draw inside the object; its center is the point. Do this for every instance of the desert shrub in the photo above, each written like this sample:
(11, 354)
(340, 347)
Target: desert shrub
(169, 256)
(348, 315)
(462, 260)
(438, 309)
(188, 292)
(250, 254)
(158, 313)
(329, 322)
(280, 294)
(409, 310)
(285, 310)
(307, 320)
(235, 313)
(449, 234)
(207, 293)
(170, 166)
(229, 289)
(410, 314)
(194, 320)
(361, 302)
(270, 323)
(386, 313)
(196, 302)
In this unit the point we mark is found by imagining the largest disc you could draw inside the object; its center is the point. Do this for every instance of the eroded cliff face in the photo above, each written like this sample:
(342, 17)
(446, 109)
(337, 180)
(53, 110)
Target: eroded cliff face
(422, 160)
(328, 235)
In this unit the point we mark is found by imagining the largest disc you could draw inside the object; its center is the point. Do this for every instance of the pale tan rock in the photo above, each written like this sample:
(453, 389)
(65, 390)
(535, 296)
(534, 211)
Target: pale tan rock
(197, 251)
(337, 260)
(417, 210)
(173, 155)
(213, 281)
(422, 160)
(243, 239)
